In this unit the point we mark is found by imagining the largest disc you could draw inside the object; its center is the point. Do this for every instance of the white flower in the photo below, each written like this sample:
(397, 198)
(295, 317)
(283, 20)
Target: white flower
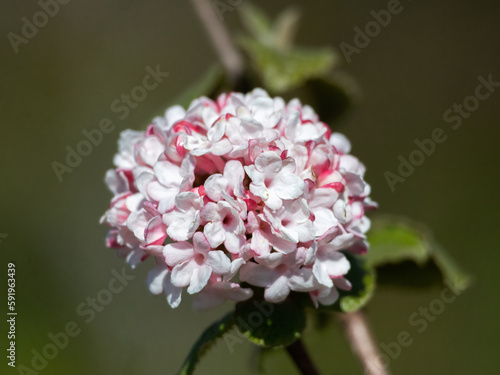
(330, 263)
(194, 263)
(125, 158)
(199, 144)
(244, 188)
(274, 179)
(184, 219)
(158, 282)
(166, 181)
(231, 182)
(292, 221)
(279, 280)
(223, 225)
(298, 131)
(217, 292)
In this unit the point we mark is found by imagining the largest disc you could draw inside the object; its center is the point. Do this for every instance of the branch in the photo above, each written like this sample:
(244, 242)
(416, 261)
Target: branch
(362, 343)
(298, 353)
(228, 54)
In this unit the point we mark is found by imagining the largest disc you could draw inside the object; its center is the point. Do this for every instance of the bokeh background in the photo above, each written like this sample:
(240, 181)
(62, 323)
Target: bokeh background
(64, 80)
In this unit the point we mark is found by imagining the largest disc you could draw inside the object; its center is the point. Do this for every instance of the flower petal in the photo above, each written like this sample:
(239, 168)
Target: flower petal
(219, 262)
(277, 291)
(177, 253)
(182, 273)
(199, 279)
(257, 275)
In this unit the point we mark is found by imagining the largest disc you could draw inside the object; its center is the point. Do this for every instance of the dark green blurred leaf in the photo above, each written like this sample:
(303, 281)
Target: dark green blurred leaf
(395, 239)
(206, 86)
(268, 324)
(362, 278)
(206, 340)
(332, 95)
(321, 318)
(283, 70)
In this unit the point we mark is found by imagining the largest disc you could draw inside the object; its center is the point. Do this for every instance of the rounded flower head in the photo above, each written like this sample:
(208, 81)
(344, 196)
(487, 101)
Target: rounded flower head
(245, 188)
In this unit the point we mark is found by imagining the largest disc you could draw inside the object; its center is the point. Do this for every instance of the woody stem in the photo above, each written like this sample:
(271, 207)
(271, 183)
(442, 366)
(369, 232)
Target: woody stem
(299, 355)
(228, 54)
(357, 331)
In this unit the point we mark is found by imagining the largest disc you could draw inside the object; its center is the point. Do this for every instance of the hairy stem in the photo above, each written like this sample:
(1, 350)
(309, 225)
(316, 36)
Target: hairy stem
(362, 343)
(228, 54)
(298, 353)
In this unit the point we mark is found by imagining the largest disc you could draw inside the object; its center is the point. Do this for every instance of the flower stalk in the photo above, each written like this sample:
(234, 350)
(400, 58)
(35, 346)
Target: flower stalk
(228, 54)
(301, 358)
(357, 331)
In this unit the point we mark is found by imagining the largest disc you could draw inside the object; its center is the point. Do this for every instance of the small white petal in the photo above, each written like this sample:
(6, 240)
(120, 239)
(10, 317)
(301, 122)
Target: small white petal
(219, 262)
(199, 279)
(277, 291)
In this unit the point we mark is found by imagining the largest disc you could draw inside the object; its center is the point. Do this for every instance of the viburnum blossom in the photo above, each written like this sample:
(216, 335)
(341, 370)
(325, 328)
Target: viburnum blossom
(246, 188)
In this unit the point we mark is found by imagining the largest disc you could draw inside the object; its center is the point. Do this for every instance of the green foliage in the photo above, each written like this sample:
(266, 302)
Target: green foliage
(281, 68)
(279, 64)
(330, 96)
(269, 324)
(362, 278)
(394, 240)
(279, 34)
(206, 340)
(449, 268)
(257, 24)
(284, 70)
(286, 27)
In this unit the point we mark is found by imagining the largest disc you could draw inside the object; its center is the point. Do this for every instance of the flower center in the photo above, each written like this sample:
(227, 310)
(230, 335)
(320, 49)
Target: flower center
(199, 259)
(228, 219)
(199, 179)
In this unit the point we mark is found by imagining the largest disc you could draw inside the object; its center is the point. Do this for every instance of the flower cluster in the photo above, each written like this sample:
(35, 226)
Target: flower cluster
(246, 188)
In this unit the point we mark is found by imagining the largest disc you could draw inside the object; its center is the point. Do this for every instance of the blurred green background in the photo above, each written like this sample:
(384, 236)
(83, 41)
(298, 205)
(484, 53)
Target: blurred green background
(64, 80)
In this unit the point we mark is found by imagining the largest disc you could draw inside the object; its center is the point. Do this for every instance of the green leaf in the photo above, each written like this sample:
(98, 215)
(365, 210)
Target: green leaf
(395, 240)
(450, 269)
(283, 67)
(257, 23)
(283, 70)
(269, 324)
(332, 95)
(206, 340)
(207, 86)
(362, 278)
(285, 28)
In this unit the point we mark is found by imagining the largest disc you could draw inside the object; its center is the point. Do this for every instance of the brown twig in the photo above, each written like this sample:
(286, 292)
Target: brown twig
(228, 54)
(299, 355)
(362, 343)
